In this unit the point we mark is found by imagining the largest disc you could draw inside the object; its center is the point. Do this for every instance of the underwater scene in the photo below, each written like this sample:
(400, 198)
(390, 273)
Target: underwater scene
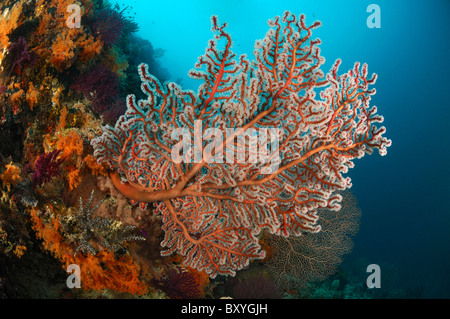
(225, 149)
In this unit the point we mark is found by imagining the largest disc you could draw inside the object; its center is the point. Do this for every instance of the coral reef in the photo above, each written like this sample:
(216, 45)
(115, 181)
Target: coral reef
(75, 190)
(213, 205)
(103, 270)
(47, 166)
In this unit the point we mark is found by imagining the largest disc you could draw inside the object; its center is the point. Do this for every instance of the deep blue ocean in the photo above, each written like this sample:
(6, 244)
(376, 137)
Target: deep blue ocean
(405, 225)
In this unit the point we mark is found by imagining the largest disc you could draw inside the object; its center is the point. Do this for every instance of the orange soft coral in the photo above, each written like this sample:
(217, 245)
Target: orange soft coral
(17, 97)
(9, 21)
(105, 271)
(98, 272)
(11, 175)
(32, 96)
(63, 51)
(90, 47)
(19, 250)
(73, 178)
(71, 144)
(95, 168)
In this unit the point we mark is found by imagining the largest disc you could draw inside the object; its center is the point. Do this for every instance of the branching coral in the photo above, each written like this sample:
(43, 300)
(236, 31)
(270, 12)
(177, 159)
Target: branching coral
(111, 24)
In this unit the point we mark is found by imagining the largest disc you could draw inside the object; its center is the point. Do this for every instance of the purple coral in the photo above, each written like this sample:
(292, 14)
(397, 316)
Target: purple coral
(46, 167)
(99, 85)
(110, 25)
(117, 109)
(18, 54)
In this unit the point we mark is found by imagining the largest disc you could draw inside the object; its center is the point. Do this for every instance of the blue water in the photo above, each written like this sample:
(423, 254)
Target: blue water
(403, 196)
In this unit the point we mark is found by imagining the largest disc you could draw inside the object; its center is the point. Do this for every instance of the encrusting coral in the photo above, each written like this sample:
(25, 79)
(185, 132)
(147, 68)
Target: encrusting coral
(48, 163)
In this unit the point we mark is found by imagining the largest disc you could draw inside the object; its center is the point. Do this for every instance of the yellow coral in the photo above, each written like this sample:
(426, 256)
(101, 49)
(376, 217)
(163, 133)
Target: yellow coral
(62, 120)
(56, 94)
(17, 97)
